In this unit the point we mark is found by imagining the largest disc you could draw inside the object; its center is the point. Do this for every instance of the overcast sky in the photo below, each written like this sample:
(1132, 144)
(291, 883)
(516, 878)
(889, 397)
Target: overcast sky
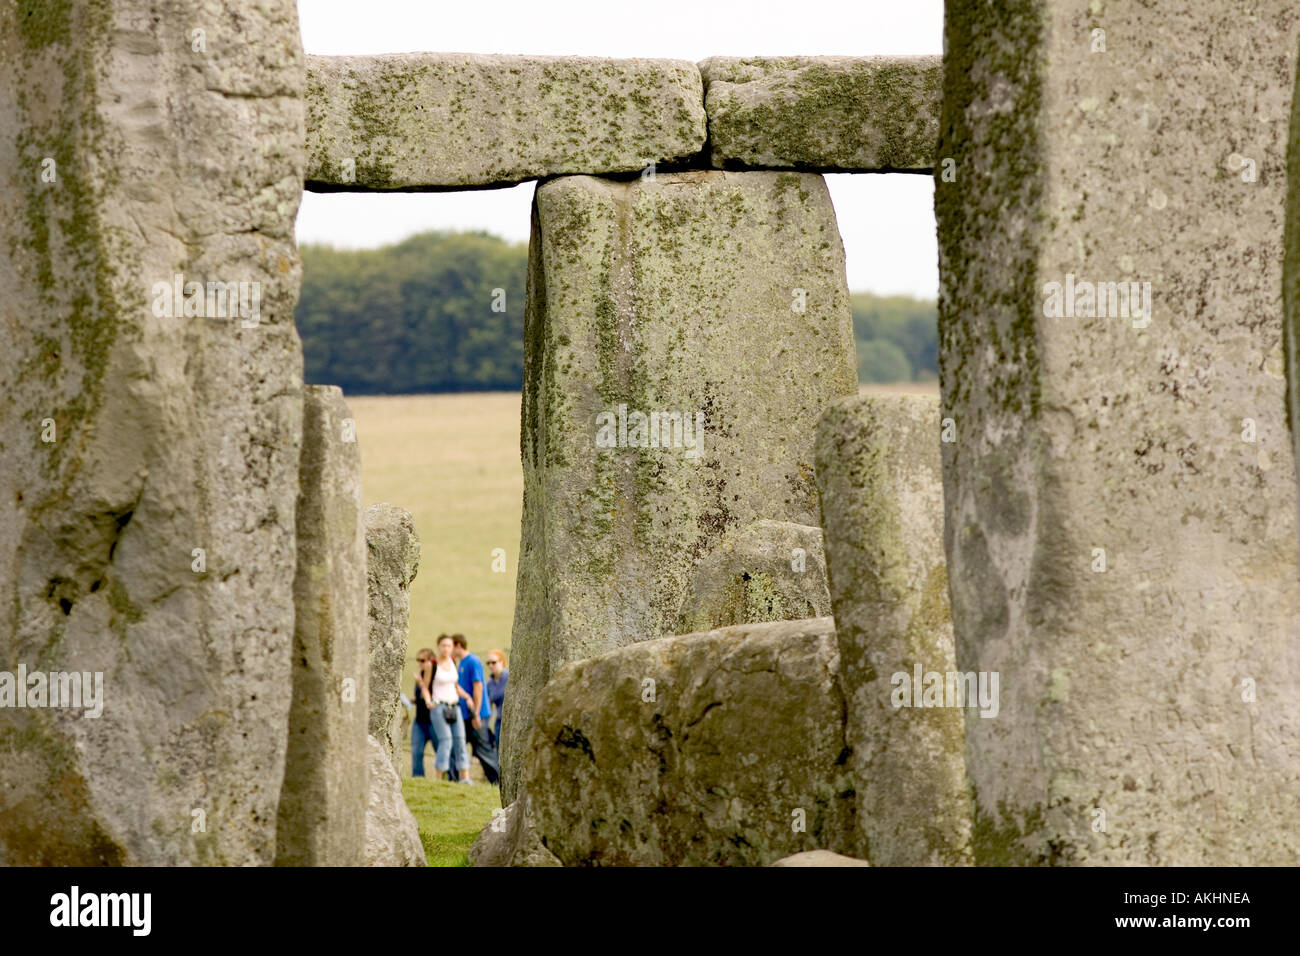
(887, 221)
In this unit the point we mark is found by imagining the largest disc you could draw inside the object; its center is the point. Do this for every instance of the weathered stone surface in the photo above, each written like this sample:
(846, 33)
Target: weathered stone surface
(741, 742)
(321, 819)
(1291, 280)
(510, 839)
(1082, 439)
(677, 293)
(392, 560)
(819, 858)
(399, 730)
(452, 120)
(881, 490)
(392, 835)
(768, 571)
(833, 113)
(151, 538)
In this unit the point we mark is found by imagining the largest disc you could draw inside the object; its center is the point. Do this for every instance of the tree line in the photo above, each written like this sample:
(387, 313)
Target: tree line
(444, 312)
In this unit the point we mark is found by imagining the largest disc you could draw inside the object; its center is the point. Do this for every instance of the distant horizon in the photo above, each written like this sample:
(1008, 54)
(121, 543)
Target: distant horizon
(488, 233)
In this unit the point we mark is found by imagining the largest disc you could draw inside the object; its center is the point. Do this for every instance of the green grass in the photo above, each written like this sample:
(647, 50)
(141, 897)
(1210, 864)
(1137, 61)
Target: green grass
(450, 816)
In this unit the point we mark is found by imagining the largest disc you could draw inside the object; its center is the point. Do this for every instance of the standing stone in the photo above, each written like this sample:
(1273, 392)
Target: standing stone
(1291, 279)
(718, 298)
(846, 113)
(882, 507)
(510, 839)
(392, 559)
(768, 571)
(392, 835)
(726, 748)
(1120, 551)
(322, 803)
(150, 451)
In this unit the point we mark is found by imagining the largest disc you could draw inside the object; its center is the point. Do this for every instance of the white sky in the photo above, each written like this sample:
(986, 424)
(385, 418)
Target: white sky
(887, 221)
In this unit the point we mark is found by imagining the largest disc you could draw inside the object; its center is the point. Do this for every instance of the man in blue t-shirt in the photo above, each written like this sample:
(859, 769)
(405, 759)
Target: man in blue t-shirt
(473, 682)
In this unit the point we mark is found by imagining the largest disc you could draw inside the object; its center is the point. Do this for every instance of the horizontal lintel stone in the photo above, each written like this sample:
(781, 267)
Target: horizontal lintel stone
(430, 121)
(824, 113)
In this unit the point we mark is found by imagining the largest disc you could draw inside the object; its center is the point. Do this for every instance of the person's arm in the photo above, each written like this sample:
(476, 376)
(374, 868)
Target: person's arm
(476, 720)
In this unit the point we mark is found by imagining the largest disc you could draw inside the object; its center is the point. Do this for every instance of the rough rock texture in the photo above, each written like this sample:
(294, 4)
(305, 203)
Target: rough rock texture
(833, 113)
(398, 733)
(1125, 691)
(392, 559)
(171, 434)
(768, 571)
(511, 840)
(672, 294)
(451, 120)
(734, 755)
(882, 508)
(392, 836)
(321, 819)
(1291, 280)
(819, 858)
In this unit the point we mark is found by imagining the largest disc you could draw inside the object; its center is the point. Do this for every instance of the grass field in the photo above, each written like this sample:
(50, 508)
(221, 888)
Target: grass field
(453, 462)
(450, 817)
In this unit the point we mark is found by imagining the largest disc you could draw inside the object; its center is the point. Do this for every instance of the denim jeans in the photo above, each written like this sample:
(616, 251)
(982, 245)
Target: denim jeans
(484, 751)
(421, 734)
(451, 742)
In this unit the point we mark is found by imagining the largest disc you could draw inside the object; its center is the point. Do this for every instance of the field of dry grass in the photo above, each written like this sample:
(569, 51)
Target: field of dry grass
(453, 462)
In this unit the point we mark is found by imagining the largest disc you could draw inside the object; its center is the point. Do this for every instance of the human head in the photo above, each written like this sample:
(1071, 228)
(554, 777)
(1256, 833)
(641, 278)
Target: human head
(424, 654)
(445, 647)
(495, 661)
(460, 646)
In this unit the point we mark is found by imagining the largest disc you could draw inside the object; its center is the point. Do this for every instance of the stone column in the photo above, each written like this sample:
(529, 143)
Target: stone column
(149, 460)
(392, 559)
(1291, 278)
(708, 308)
(323, 800)
(882, 506)
(1120, 502)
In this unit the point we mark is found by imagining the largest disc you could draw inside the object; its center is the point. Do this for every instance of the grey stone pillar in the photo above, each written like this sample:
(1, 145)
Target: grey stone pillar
(323, 800)
(714, 302)
(882, 506)
(149, 458)
(392, 559)
(1291, 279)
(1120, 502)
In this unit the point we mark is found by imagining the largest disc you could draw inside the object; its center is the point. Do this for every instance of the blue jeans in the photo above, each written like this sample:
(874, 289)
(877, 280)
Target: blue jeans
(421, 734)
(451, 742)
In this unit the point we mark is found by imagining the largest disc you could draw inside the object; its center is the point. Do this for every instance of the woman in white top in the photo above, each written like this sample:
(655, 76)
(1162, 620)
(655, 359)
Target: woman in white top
(442, 697)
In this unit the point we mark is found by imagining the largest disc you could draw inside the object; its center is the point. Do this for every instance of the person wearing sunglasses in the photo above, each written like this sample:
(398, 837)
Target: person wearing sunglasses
(496, 691)
(422, 734)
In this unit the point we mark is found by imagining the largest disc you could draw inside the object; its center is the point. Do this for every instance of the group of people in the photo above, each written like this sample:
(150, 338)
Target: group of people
(458, 709)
